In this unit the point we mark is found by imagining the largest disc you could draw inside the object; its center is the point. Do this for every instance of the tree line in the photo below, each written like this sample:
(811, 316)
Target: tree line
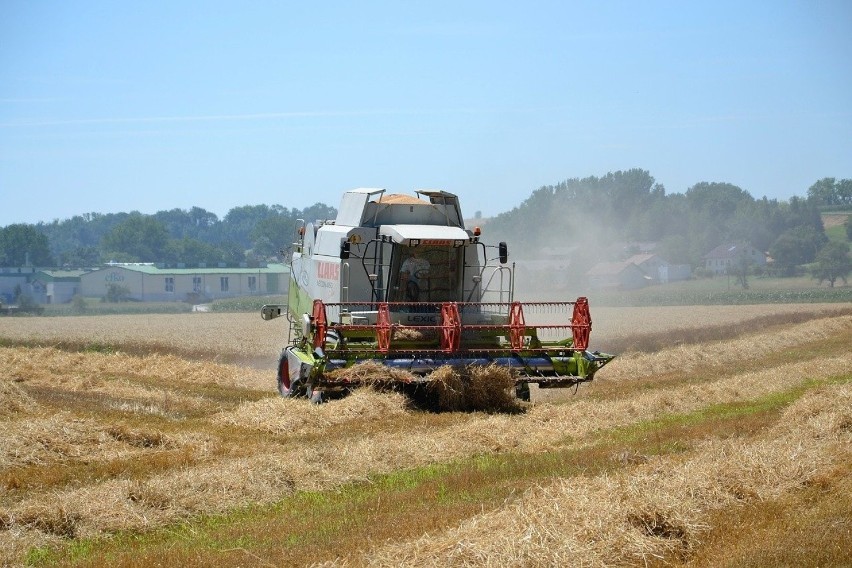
(587, 217)
(245, 234)
(832, 193)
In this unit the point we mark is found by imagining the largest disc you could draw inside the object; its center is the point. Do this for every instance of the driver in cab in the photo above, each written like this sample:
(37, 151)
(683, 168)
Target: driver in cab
(412, 275)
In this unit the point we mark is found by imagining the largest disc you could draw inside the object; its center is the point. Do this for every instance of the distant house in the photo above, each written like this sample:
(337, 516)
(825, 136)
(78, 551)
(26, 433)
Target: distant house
(650, 264)
(675, 273)
(653, 269)
(150, 283)
(720, 259)
(659, 269)
(617, 276)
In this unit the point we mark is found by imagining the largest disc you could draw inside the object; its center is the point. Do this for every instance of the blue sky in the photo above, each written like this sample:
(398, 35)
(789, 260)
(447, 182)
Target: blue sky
(118, 106)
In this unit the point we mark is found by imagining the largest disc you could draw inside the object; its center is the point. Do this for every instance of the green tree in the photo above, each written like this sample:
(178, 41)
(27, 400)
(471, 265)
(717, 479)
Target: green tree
(140, 237)
(81, 232)
(832, 262)
(315, 211)
(740, 269)
(196, 223)
(116, 293)
(844, 192)
(675, 249)
(824, 192)
(240, 222)
(831, 192)
(716, 200)
(192, 251)
(794, 247)
(84, 256)
(630, 193)
(577, 212)
(232, 252)
(750, 224)
(804, 213)
(24, 244)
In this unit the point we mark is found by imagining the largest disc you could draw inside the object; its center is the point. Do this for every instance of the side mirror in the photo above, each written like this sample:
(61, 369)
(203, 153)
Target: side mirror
(344, 250)
(504, 252)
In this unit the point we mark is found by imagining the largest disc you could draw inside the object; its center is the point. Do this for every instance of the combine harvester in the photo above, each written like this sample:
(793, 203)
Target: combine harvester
(398, 280)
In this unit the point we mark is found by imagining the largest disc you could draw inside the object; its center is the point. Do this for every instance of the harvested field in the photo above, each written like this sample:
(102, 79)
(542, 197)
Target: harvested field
(207, 336)
(635, 468)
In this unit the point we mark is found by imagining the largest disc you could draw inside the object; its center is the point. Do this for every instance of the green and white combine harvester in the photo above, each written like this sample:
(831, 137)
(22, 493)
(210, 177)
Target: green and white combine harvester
(398, 280)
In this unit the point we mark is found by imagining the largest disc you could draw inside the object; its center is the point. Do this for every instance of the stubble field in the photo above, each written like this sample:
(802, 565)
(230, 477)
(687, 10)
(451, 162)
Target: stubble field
(719, 436)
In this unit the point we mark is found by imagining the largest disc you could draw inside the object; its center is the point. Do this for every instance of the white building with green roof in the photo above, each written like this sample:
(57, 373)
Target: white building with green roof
(150, 283)
(55, 286)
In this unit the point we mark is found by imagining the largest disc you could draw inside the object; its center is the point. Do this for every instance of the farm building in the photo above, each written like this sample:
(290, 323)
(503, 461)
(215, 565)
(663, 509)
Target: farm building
(650, 264)
(647, 269)
(55, 286)
(150, 283)
(659, 270)
(724, 256)
(674, 272)
(617, 275)
(43, 286)
(14, 279)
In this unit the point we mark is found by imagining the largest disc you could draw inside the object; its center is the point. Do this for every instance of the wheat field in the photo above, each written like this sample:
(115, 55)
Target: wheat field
(116, 426)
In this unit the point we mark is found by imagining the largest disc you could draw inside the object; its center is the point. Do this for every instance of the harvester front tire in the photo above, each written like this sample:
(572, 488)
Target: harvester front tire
(286, 387)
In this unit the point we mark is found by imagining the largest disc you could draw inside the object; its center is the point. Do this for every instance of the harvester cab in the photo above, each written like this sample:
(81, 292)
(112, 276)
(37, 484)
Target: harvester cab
(398, 279)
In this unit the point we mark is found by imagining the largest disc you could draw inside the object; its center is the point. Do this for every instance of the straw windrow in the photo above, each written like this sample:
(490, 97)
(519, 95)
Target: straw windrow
(648, 512)
(14, 401)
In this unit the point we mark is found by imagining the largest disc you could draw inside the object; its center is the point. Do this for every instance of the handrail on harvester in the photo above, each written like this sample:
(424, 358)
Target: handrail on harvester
(451, 327)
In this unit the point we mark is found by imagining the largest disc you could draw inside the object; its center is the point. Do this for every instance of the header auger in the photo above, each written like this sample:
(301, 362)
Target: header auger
(399, 281)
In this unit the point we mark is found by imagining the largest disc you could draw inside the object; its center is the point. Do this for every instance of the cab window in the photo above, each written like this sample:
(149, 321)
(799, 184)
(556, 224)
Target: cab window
(425, 274)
